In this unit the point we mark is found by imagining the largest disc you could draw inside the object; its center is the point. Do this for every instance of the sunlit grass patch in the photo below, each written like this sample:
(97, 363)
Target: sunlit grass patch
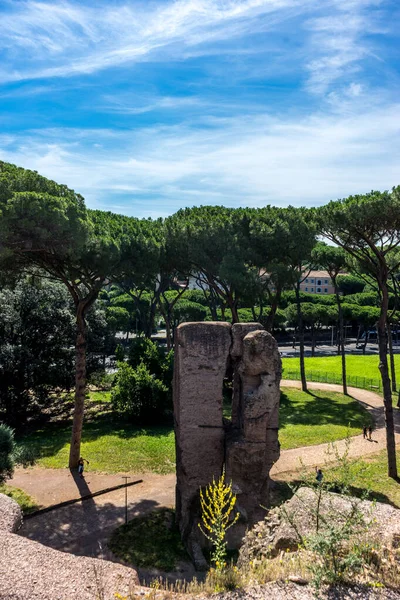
(26, 502)
(318, 417)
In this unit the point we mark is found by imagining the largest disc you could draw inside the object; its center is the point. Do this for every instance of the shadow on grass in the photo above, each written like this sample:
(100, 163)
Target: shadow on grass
(320, 409)
(51, 438)
(83, 528)
(282, 491)
(152, 540)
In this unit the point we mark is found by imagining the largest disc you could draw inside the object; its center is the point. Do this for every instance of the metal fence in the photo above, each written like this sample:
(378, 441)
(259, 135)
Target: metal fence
(326, 377)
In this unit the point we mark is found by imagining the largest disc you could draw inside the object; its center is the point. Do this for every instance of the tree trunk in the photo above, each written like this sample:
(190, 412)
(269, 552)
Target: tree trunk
(152, 315)
(366, 340)
(338, 337)
(358, 335)
(341, 343)
(168, 334)
(213, 309)
(391, 358)
(387, 393)
(272, 312)
(167, 326)
(212, 302)
(232, 304)
(80, 386)
(301, 340)
(235, 316)
(253, 312)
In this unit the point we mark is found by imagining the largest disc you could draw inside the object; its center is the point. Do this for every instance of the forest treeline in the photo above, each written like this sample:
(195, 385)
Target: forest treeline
(79, 276)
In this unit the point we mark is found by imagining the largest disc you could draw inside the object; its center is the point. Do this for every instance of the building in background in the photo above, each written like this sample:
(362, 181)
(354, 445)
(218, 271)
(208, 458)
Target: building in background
(318, 282)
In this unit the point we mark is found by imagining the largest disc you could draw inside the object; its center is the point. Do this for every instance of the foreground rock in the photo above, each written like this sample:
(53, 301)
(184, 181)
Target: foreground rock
(31, 571)
(10, 515)
(283, 528)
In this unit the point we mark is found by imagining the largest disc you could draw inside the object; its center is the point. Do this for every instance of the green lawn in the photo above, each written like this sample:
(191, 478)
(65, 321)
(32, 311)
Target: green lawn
(152, 540)
(109, 444)
(113, 445)
(370, 475)
(317, 417)
(366, 476)
(357, 366)
(99, 396)
(26, 503)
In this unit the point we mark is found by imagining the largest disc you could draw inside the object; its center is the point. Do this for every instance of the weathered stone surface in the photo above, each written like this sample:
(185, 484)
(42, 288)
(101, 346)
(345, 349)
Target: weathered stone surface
(201, 356)
(253, 445)
(10, 514)
(248, 445)
(239, 332)
(283, 527)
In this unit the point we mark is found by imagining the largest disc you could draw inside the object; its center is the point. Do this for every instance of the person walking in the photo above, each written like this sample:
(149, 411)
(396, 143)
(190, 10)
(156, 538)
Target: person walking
(365, 432)
(81, 465)
(319, 475)
(370, 432)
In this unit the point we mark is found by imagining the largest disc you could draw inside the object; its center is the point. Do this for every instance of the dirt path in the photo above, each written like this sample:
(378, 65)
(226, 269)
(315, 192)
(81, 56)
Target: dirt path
(84, 528)
(311, 456)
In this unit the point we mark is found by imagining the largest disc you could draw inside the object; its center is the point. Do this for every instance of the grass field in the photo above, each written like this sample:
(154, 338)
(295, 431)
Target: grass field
(357, 367)
(113, 445)
(26, 503)
(109, 444)
(367, 476)
(317, 417)
(152, 540)
(99, 396)
(370, 475)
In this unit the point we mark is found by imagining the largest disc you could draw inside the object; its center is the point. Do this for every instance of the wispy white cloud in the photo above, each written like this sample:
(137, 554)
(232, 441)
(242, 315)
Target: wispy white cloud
(339, 41)
(253, 160)
(131, 104)
(191, 140)
(66, 38)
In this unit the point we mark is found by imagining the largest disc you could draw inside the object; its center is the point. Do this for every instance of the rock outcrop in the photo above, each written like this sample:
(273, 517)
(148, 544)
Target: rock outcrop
(283, 527)
(10, 515)
(246, 446)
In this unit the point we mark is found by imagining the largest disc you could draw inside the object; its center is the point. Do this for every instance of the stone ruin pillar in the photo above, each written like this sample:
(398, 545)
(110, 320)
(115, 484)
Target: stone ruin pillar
(200, 363)
(205, 442)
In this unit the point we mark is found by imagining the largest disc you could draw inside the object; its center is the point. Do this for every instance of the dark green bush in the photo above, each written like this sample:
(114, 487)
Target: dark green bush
(7, 447)
(139, 395)
(143, 350)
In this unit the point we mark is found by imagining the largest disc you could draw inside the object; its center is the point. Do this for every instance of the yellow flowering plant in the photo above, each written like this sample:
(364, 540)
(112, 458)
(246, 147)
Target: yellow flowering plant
(217, 503)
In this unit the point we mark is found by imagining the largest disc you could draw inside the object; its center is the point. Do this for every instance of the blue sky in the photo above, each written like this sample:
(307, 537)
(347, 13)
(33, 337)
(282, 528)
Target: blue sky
(147, 107)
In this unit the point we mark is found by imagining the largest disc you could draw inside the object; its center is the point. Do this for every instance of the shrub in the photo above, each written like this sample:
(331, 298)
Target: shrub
(7, 448)
(217, 503)
(120, 353)
(102, 380)
(143, 351)
(139, 394)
